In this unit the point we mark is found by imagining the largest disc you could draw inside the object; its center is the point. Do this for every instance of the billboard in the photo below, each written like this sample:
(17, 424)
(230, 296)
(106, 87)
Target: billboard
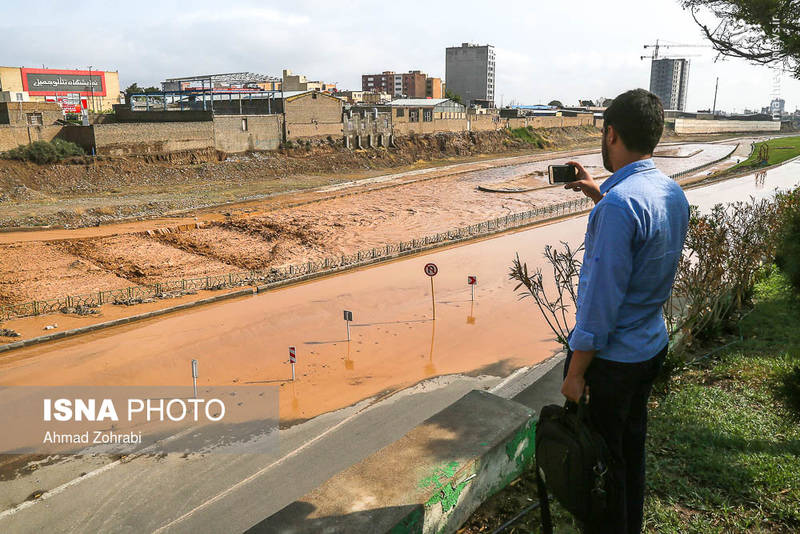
(70, 102)
(43, 82)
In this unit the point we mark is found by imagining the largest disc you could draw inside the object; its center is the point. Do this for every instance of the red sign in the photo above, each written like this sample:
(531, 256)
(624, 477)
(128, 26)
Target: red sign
(472, 280)
(292, 355)
(70, 103)
(431, 269)
(46, 82)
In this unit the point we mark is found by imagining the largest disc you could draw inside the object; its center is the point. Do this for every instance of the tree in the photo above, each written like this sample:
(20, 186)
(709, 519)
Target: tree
(765, 32)
(134, 89)
(555, 103)
(452, 96)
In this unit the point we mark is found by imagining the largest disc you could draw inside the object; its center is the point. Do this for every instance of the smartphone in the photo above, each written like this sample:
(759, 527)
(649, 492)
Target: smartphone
(560, 174)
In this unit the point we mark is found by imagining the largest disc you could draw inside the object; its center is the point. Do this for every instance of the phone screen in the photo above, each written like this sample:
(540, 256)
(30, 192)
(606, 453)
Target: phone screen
(560, 174)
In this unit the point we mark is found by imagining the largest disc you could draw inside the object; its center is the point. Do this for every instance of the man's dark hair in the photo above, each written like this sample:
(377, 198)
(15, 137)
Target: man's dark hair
(638, 118)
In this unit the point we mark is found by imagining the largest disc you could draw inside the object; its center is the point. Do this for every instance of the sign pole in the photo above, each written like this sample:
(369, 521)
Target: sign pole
(348, 316)
(292, 359)
(431, 269)
(473, 292)
(194, 377)
(433, 300)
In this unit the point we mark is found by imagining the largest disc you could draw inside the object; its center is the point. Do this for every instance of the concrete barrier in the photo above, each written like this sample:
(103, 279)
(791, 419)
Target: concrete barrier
(123, 320)
(430, 480)
(439, 473)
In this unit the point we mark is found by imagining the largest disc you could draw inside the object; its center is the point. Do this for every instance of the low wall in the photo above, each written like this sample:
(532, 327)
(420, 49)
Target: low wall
(428, 127)
(550, 122)
(295, 130)
(152, 137)
(263, 133)
(483, 123)
(13, 136)
(123, 113)
(699, 126)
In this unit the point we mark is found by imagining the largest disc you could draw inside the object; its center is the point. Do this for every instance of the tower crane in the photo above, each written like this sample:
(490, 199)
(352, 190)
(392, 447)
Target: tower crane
(658, 45)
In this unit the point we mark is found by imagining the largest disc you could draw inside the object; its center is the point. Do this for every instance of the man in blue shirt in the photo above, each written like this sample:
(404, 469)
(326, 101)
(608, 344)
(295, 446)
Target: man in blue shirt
(633, 243)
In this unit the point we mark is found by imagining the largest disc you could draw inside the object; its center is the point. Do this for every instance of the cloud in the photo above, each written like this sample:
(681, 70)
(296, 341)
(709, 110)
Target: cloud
(564, 50)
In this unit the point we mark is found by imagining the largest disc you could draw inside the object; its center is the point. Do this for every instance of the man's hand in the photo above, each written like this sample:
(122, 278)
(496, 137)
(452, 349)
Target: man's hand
(574, 384)
(573, 387)
(584, 183)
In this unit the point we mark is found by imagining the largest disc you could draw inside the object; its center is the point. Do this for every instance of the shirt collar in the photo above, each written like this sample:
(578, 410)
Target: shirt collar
(624, 172)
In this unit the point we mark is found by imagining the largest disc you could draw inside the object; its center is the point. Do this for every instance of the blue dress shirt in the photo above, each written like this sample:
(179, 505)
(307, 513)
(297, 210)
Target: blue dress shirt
(634, 240)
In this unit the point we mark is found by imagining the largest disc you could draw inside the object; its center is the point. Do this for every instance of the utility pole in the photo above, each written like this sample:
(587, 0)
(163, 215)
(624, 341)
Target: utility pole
(91, 87)
(714, 109)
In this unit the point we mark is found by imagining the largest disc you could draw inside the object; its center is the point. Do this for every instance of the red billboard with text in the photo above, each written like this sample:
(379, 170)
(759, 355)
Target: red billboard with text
(46, 82)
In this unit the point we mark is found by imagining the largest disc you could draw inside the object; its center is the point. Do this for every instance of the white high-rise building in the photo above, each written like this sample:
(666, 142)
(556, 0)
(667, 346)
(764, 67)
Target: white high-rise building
(469, 72)
(669, 80)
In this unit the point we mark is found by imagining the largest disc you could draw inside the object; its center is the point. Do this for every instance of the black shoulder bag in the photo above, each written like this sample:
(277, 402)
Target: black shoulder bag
(572, 462)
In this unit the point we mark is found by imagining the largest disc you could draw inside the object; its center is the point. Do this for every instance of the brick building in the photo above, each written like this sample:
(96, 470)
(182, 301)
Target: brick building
(411, 84)
(382, 83)
(434, 88)
(310, 114)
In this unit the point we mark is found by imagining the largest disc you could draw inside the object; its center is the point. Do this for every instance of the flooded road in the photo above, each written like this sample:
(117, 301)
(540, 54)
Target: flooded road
(394, 341)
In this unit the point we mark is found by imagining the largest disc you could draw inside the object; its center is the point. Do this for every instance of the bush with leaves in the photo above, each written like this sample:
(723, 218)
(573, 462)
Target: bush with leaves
(788, 252)
(724, 254)
(42, 152)
(557, 303)
(726, 250)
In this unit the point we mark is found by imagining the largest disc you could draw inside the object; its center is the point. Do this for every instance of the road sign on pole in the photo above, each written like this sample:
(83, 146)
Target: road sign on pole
(194, 377)
(431, 270)
(472, 280)
(292, 359)
(348, 316)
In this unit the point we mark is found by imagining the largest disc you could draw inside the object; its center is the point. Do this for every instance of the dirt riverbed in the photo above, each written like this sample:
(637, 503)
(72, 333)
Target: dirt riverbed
(329, 221)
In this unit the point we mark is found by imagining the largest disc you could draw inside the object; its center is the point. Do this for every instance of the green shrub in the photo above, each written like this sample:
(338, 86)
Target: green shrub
(66, 149)
(42, 152)
(788, 254)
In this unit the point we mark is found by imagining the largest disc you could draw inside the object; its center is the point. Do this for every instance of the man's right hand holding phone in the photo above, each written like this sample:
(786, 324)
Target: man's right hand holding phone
(584, 183)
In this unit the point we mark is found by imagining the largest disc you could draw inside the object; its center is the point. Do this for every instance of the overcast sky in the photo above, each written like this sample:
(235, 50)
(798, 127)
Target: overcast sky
(545, 50)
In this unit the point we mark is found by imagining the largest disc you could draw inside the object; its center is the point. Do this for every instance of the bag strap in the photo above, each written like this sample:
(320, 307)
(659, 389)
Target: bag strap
(544, 503)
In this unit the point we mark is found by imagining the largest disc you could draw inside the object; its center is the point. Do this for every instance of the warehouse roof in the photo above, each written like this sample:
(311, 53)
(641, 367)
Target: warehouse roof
(417, 102)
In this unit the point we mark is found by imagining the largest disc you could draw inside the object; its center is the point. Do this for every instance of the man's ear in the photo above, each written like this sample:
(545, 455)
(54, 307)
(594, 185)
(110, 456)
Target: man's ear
(611, 135)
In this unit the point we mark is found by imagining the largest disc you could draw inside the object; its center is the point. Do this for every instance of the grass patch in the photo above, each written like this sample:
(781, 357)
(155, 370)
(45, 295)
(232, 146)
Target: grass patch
(723, 441)
(780, 150)
(528, 135)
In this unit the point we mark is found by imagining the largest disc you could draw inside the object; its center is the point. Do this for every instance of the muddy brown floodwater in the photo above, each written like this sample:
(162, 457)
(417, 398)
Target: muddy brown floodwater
(394, 341)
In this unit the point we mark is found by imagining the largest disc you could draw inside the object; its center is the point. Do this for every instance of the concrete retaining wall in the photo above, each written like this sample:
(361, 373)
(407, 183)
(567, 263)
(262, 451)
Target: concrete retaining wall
(428, 127)
(13, 136)
(699, 126)
(320, 129)
(551, 122)
(153, 137)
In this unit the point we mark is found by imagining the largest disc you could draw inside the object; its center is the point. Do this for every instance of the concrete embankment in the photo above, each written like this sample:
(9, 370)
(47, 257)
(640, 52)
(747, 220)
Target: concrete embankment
(433, 478)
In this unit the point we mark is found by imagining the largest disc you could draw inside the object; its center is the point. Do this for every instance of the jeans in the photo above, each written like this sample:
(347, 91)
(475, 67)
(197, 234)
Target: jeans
(618, 394)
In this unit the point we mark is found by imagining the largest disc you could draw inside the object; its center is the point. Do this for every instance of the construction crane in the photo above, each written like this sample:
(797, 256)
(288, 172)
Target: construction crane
(658, 45)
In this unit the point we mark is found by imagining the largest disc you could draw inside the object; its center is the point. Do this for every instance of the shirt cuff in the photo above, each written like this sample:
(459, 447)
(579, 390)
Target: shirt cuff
(583, 340)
